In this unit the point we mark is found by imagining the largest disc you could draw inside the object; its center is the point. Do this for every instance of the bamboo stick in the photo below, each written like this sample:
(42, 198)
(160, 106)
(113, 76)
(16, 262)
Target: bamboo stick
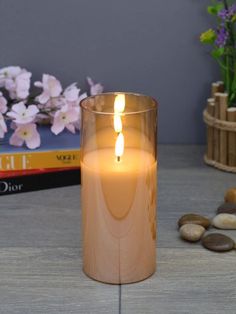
(214, 89)
(216, 131)
(231, 116)
(221, 87)
(210, 130)
(223, 105)
(217, 87)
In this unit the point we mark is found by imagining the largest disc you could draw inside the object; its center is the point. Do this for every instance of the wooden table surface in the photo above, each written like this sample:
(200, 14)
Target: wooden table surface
(40, 250)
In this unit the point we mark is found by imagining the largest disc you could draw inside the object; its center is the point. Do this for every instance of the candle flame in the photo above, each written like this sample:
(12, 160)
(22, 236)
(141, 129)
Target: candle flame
(119, 107)
(117, 123)
(120, 143)
(119, 104)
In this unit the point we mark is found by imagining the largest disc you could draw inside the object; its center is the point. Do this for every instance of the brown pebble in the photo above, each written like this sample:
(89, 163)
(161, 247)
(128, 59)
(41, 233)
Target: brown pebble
(218, 242)
(230, 196)
(227, 208)
(194, 219)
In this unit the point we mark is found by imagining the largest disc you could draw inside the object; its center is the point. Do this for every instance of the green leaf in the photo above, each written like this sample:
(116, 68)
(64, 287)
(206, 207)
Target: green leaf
(217, 53)
(234, 85)
(215, 9)
(211, 10)
(232, 97)
(208, 37)
(233, 18)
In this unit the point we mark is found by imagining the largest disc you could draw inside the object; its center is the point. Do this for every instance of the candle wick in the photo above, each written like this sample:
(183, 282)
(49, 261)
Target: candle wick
(118, 157)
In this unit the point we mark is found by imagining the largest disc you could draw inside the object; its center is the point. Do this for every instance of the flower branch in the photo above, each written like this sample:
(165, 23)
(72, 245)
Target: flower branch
(222, 40)
(53, 105)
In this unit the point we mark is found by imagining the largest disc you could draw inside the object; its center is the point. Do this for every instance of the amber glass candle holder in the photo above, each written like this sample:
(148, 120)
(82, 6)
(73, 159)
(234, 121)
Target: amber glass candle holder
(119, 187)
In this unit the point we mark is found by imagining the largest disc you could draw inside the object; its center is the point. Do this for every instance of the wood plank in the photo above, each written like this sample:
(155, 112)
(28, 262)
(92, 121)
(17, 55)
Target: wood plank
(50, 280)
(187, 281)
(186, 185)
(49, 218)
(40, 259)
(182, 191)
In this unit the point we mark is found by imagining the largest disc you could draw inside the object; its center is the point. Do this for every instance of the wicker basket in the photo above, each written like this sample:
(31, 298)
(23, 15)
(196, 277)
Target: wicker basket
(221, 130)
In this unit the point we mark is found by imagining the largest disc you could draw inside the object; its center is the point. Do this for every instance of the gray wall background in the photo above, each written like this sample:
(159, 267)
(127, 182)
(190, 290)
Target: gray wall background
(147, 46)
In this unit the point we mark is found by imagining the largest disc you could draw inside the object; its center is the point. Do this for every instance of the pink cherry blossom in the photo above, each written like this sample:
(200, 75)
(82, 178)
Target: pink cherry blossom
(51, 88)
(22, 82)
(95, 88)
(10, 72)
(3, 126)
(22, 114)
(65, 118)
(81, 97)
(73, 99)
(3, 103)
(27, 134)
(16, 81)
(77, 123)
(53, 104)
(71, 93)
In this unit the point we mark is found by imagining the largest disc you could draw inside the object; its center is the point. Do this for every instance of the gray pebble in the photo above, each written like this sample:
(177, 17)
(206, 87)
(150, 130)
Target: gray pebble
(224, 221)
(191, 232)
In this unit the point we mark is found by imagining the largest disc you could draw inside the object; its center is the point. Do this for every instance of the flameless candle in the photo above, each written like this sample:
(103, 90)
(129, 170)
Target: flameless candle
(119, 172)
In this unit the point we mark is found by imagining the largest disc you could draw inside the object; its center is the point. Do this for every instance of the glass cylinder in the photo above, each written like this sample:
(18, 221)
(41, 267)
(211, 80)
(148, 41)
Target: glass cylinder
(119, 186)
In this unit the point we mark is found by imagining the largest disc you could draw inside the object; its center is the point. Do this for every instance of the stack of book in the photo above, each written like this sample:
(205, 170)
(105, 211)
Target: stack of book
(55, 164)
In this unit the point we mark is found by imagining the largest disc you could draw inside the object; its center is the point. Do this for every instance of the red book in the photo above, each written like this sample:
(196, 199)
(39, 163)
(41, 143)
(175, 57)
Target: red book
(19, 173)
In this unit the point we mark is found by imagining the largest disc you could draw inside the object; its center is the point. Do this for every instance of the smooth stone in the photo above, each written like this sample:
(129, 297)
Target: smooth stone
(224, 221)
(191, 232)
(194, 219)
(218, 242)
(230, 196)
(227, 208)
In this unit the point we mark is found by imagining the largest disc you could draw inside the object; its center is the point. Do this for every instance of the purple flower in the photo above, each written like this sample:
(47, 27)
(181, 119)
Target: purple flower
(224, 14)
(232, 10)
(227, 14)
(222, 36)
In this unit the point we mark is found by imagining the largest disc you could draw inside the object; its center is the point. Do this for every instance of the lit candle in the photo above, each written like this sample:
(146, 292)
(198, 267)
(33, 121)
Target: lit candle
(119, 107)
(119, 201)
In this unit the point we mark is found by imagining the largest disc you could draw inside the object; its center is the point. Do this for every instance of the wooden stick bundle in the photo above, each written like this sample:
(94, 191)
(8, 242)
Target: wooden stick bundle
(210, 130)
(217, 87)
(231, 116)
(217, 131)
(221, 130)
(223, 105)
